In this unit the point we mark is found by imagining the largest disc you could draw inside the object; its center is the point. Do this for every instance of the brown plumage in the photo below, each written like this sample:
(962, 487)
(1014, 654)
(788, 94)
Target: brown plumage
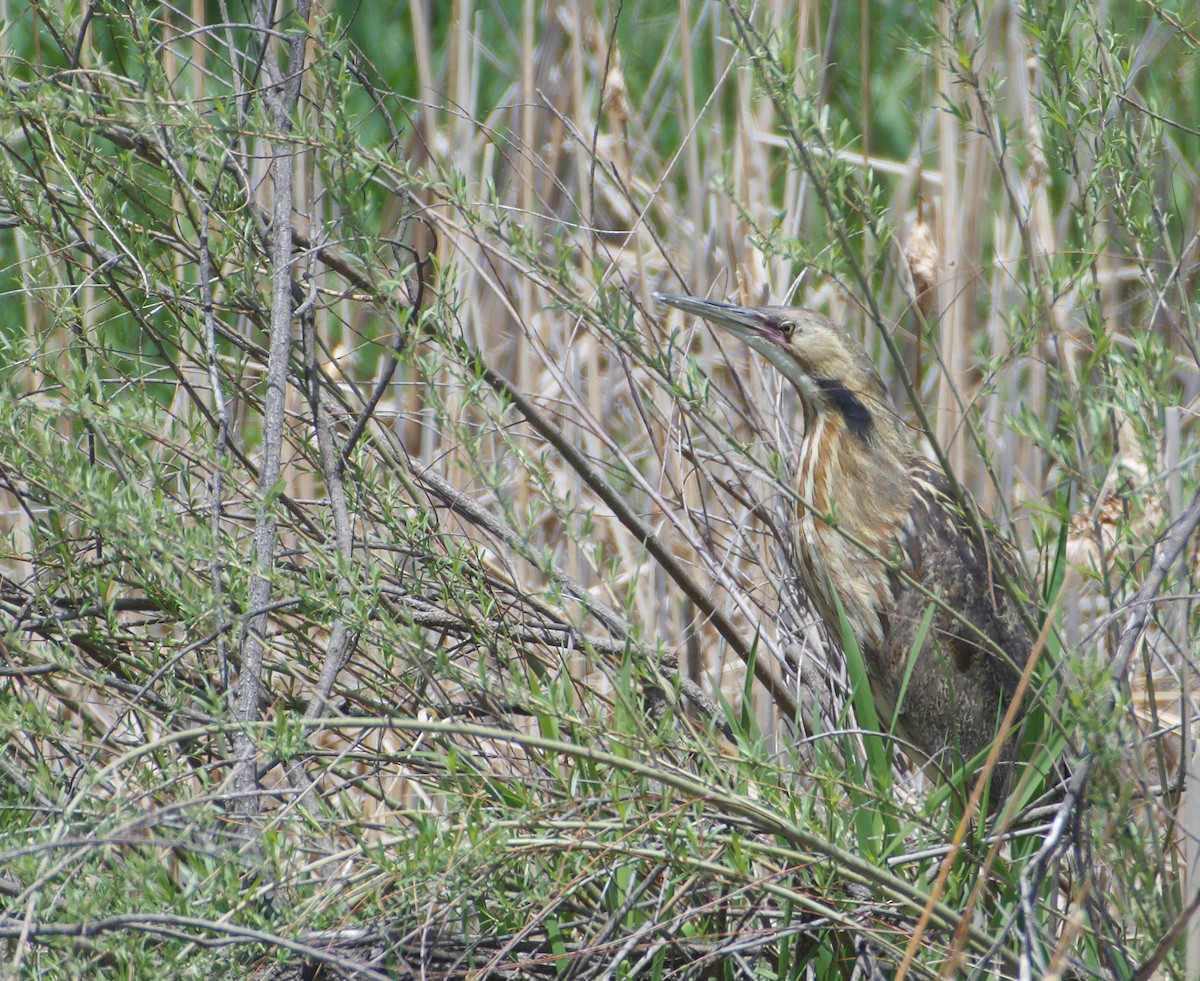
(896, 525)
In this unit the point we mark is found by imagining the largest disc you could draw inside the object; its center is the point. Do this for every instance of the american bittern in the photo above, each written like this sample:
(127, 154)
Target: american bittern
(878, 528)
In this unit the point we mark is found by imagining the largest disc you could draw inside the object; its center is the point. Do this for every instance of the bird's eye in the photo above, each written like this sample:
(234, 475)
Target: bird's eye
(788, 327)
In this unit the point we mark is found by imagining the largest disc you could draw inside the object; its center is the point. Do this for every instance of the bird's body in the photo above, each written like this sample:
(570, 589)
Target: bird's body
(877, 528)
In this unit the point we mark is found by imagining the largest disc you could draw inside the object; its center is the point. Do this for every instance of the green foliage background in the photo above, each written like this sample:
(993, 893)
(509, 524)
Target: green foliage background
(534, 692)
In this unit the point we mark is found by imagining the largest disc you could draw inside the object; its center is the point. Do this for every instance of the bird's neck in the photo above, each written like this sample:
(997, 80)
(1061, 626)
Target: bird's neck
(855, 480)
(854, 498)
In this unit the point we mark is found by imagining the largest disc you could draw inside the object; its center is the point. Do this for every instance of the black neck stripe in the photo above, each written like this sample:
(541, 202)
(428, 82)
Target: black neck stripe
(854, 413)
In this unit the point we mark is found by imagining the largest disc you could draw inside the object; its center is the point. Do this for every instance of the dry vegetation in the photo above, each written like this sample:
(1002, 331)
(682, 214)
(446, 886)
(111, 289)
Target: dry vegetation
(391, 589)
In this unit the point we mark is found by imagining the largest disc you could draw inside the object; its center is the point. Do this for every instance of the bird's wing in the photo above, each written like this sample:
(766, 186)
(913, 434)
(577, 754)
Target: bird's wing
(976, 618)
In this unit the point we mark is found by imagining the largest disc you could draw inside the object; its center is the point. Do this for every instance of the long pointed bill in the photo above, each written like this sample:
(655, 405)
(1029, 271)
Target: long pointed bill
(761, 328)
(746, 323)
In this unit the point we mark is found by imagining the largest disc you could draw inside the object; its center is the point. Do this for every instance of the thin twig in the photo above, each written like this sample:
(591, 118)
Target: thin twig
(282, 95)
(1068, 818)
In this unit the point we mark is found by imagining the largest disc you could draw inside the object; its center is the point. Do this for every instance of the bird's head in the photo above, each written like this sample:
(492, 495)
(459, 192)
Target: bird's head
(828, 368)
